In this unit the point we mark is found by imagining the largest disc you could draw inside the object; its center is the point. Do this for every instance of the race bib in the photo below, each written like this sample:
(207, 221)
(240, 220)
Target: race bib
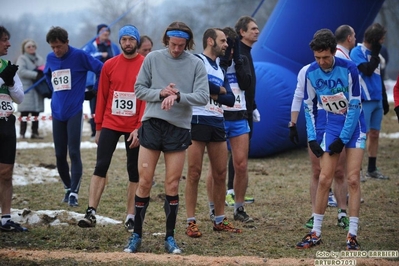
(214, 106)
(124, 103)
(61, 80)
(6, 106)
(337, 104)
(239, 103)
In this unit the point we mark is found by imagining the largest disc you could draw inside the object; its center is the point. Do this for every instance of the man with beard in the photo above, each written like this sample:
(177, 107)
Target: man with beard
(207, 131)
(118, 114)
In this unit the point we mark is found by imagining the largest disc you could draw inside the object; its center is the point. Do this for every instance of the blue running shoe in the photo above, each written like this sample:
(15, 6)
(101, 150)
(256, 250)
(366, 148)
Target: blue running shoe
(331, 200)
(133, 244)
(310, 240)
(351, 242)
(171, 246)
(11, 226)
(73, 201)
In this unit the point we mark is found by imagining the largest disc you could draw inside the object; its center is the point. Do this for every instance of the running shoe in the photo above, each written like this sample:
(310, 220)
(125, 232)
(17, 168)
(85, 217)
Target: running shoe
(171, 246)
(212, 215)
(192, 230)
(363, 178)
(377, 175)
(343, 222)
(225, 226)
(134, 243)
(129, 225)
(229, 201)
(88, 221)
(73, 201)
(351, 242)
(309, 241)
(66, 196)
(11, 226)
(249, 199)
(309, 223)
(331, 200)
(242, 216)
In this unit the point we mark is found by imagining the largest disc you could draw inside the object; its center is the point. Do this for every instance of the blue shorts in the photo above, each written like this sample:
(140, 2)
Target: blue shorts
(334, 128)
(236, 128)
(373, 113)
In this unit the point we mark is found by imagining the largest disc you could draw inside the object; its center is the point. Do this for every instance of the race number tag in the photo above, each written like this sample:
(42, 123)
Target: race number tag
(124, 103)
(6, 106)
(61, 80)
(214, 106)
(337, 104)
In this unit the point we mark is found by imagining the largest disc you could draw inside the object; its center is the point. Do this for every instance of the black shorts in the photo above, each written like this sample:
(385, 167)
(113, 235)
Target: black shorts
(205, 133)
(157, 134)
(106, 147)
(8, 140)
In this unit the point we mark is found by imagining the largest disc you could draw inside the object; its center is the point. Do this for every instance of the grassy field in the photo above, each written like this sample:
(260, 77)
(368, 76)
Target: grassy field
(279, 183)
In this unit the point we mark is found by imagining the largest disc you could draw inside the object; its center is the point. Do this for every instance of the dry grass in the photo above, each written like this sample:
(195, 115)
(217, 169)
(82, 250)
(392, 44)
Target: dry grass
(280, 185)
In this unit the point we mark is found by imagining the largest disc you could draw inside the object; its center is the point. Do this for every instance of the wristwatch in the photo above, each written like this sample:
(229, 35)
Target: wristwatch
(291, 124)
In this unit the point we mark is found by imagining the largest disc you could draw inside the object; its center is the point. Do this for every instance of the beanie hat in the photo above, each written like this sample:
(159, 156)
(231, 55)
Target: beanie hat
(100, 26)
(129, 30)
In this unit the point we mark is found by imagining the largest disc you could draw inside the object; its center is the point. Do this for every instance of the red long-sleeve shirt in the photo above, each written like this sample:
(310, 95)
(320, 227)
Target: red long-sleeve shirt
(118, 74)
(396, 93)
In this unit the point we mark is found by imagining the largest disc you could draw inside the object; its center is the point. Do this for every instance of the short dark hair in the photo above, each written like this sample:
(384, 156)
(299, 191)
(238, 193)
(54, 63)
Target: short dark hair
(342, 32)
(210, 33)
(242, 24)
(178, 25)
(323, 40)
(374, 33)
(4, 31)
(144, 38)
(57, 33)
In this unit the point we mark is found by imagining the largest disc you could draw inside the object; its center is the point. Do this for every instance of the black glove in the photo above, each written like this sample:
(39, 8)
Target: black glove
(336, 146)
(90, 93)
(237, 51)
(375, 48)
(385, 103)
(39, 74)
(397, 112)
(8, 74)
(294, 135)
(225, 59)
(315, 148)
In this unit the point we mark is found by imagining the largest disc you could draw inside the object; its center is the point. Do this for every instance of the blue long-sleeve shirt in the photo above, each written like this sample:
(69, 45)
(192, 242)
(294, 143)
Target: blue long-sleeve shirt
(66, 103)
(341, 87)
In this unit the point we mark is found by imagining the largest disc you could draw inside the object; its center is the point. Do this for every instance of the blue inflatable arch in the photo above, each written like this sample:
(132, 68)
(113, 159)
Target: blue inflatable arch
(282, 50)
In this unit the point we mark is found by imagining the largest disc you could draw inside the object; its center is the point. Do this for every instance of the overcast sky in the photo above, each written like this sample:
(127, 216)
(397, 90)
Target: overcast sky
(11, 8)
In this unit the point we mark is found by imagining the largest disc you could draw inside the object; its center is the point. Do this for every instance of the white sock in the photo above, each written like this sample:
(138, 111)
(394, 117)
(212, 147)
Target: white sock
(5, 218)
(73, 194)
(190, 219)
(353, 225)
(129, 216)
(230, 191)
(318, 220)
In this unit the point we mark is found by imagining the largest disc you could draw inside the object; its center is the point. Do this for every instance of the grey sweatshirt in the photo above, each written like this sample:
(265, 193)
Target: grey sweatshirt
(187, 72)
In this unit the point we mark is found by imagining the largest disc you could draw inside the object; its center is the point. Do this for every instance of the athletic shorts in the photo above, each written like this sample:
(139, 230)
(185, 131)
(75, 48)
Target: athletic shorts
(334, 128)
(236, 128)
(373, 114)
(8, 140)
(157, 134)
(320, 125)
(205, 133)
(106, 146)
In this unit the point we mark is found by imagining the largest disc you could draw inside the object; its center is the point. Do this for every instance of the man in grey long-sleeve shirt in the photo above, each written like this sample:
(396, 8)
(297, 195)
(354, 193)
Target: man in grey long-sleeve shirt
(171, 81)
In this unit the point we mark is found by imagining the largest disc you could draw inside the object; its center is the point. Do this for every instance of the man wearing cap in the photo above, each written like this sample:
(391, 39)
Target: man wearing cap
(103, 49)
(118, 114)
(66, 70)
(171, 81)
